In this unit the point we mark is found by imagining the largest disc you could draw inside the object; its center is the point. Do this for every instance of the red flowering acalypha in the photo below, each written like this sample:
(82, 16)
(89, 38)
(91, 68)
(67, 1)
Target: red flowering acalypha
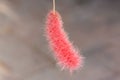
(66, 55)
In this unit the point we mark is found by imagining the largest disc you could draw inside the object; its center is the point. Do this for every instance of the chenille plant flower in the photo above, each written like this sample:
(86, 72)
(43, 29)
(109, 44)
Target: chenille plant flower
(67, 56)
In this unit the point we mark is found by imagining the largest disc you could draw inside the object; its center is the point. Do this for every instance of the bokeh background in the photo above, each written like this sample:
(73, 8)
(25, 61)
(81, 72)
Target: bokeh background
(93, 26)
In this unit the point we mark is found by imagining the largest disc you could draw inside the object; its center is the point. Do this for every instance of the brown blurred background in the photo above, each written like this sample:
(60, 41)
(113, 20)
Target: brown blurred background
(93, 26)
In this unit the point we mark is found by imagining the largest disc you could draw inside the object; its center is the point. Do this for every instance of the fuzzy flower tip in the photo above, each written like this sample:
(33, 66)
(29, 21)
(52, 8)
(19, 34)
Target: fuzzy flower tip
(67, 56)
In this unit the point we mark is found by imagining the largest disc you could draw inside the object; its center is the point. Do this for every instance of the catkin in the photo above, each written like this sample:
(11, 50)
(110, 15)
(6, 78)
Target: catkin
(67, 56)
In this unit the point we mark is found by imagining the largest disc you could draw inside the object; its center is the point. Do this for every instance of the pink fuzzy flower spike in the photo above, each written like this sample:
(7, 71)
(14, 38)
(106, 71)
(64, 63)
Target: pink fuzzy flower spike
(66, 55)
